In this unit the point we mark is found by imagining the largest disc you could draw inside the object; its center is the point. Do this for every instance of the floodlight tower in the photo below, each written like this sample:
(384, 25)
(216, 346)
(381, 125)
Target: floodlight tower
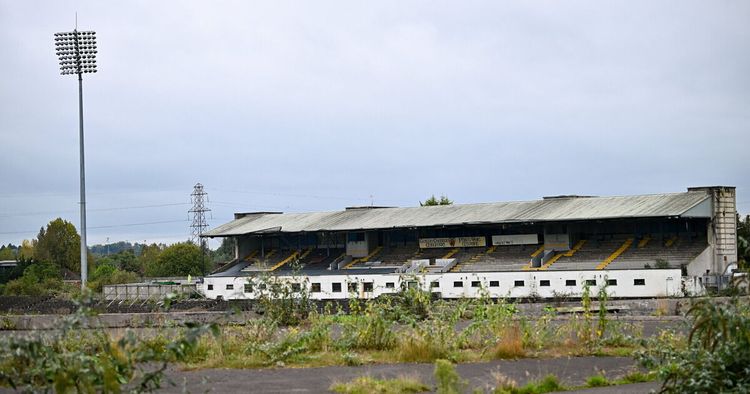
(77, 53)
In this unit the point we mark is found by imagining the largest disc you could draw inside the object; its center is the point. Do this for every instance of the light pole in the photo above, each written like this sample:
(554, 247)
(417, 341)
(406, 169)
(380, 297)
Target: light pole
(77, 53)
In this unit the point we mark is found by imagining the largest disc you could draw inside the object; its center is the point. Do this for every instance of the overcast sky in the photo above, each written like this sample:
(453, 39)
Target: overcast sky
(307, 106)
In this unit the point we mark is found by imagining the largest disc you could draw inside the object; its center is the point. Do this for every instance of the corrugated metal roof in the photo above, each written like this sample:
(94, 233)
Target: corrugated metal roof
(547, 210)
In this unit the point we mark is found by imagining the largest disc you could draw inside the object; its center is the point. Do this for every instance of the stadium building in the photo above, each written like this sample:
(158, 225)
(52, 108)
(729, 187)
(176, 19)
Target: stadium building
(639, 246)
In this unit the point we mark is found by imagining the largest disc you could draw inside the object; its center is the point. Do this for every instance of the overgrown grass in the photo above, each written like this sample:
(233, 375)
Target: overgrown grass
(547, 384)
(368, 385)
(448, 380)
(509, 343)
(597, 381)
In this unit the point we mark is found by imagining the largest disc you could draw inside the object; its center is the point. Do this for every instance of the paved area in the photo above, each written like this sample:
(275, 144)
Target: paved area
(571, 370)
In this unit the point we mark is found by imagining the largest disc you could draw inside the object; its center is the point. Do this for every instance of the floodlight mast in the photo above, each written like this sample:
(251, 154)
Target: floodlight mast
(77, 53)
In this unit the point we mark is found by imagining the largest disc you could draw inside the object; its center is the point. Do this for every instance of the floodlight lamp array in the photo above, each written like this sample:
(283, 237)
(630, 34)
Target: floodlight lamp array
(77, 52)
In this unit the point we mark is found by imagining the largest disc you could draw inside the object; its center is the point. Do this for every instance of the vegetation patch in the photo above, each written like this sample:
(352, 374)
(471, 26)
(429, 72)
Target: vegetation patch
(368, 384)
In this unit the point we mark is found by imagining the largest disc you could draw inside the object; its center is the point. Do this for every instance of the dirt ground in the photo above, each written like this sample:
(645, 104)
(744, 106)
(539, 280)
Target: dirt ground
(571, 371)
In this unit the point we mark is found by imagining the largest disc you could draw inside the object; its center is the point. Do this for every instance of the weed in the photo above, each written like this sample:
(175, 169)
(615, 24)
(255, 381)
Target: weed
(635, 377)
(370, 330)
(431, 340)
(367, 385)
(716, 355)
(597, 381)
(448, 381)
(509, 343)
(548, 384)
(503, 383)
(72, 360)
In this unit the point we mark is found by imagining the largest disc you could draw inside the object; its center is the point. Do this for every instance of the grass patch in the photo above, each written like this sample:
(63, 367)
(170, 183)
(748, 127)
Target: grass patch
(548, 384)
(597, 381)
(368, 384)
(635, 377)
(509, 343)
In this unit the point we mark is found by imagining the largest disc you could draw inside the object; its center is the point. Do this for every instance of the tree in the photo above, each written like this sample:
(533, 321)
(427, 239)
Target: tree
(180, 259)
(26, 250)
(225, 251)
(41, 278)
(148, 257)
(106, 273)
(432, 201)
(8, 252)
(59, 244)
(743, 241)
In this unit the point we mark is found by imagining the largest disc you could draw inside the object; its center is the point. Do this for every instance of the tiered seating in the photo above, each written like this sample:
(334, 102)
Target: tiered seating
(592, 253)
(400, 254)
(500, 258)
(432, 253)
(313, 259)
(270, 261)
(674, 251)
(363, 261)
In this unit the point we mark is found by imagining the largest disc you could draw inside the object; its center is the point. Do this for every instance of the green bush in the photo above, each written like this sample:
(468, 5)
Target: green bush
(75, 361)
(38, 279)
(716, 357)
(448, 380)
(371, 331)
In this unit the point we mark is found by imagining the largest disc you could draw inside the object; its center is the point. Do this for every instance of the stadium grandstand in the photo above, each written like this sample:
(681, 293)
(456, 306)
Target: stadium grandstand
(645, 245)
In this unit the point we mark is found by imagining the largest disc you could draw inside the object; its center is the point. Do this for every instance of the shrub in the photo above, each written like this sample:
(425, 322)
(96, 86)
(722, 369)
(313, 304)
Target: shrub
(716, 357)
(371, 330)
(448, 381)
(38, 279)
(71, 360)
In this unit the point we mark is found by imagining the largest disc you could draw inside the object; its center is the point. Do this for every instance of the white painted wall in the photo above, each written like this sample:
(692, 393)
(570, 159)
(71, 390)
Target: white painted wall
(656, 283)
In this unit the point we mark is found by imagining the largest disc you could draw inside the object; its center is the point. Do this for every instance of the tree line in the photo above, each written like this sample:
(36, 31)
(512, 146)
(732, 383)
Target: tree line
(50, 264)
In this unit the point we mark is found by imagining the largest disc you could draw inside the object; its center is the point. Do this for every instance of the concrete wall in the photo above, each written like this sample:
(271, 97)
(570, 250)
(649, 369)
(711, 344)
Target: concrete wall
(144, 291)
(702, 263)
(656, 283)
(722, 228)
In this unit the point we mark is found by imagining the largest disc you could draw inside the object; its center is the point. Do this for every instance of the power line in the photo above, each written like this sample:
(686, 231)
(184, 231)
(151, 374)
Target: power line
(108, 226)
(349, 198)
(94, 210)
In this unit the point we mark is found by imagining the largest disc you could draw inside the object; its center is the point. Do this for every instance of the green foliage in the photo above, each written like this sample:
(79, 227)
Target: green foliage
(180, 259)
(278, 300)
(432, 201)
(16, 272)
(548, 384)
(603, 296)
(635, 377)
(38, 279)
(225, 251)
(370, 330)
(107, 274)
(367, 385)
(597, 381)
(59, 244)
(743, 242)
(72, 360)
(148, 257)
(8, 252)
(428, 341)
(448, 380)
(716, 357)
